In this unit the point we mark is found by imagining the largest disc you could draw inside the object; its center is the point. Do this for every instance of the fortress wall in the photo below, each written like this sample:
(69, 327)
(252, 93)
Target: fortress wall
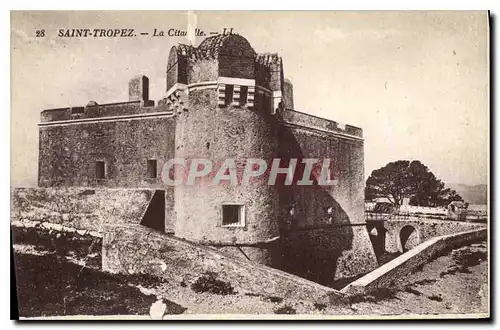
(68, 153)
(311, 202)
(80, 208)
(207, 131)
(328, 221)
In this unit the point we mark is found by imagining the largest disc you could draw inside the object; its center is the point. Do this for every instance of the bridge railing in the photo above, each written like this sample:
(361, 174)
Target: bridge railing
(373, 216)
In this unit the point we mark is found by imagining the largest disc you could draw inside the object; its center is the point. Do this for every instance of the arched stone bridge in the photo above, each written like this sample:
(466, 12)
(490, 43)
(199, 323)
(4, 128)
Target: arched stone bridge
(399, 235)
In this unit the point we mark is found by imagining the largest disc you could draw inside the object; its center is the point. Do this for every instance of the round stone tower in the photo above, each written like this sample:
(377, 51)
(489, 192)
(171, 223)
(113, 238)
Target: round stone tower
(225, 116)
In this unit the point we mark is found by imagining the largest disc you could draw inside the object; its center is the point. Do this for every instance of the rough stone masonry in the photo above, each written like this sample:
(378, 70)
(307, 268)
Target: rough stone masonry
(223, 100)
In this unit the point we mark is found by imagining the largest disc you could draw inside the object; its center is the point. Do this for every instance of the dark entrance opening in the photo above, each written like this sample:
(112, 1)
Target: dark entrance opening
(154, 217)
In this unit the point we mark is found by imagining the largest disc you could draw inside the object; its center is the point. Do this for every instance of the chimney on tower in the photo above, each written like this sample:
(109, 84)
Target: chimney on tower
(138, 89)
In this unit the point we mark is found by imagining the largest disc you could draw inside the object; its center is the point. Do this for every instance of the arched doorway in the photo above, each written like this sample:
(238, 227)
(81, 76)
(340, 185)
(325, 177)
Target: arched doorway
(409, 238)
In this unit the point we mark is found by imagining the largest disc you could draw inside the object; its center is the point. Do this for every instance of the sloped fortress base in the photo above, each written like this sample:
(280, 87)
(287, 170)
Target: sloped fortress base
(328, 253)
(132, 249)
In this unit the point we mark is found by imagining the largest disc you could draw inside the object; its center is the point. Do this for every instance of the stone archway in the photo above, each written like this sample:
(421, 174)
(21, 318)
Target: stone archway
(408, 237)
(377, 234)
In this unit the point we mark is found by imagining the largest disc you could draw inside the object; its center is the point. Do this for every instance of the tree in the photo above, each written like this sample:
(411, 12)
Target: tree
(405, 179)
(391, 181)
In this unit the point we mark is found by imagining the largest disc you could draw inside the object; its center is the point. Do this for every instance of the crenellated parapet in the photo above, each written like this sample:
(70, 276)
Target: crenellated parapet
(269, 71)
(229, 64)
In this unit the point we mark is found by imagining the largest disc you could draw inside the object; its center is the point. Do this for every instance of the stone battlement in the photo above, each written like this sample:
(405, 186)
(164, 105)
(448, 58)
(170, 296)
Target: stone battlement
(301, 119)
(94, 110)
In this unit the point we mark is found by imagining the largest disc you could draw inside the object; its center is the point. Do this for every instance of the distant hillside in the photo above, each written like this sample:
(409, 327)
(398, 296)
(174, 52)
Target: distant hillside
(473, 194)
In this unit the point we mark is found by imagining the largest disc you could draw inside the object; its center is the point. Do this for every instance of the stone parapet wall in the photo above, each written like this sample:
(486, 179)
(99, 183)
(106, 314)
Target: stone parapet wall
(386, 275)
(79, 208)
(100, 111)
(322, 124)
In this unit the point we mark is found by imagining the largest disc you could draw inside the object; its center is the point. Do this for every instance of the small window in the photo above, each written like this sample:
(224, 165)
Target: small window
(330, 174)
(152, 168)
(100, 169)
(243, 95)
(229, 95)
(233, 215)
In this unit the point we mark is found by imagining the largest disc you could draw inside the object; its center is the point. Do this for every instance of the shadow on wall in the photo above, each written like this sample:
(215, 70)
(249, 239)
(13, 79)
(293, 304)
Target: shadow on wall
(315, 229)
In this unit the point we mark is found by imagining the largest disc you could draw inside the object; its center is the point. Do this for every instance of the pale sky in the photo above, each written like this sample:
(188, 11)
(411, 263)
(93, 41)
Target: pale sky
(415, 82)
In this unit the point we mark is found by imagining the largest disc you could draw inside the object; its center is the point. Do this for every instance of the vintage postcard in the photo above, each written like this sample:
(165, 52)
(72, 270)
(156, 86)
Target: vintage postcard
(250, 164)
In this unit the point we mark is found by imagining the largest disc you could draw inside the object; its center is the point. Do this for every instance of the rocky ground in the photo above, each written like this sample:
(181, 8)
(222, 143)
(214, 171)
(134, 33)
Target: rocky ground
(55, 281)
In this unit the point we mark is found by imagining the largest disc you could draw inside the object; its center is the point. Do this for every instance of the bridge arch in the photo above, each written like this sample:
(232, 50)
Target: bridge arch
(377, 234)
(409, 237)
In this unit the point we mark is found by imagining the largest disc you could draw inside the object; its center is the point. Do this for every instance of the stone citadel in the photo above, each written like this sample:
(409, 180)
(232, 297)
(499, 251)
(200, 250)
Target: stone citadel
(223, 100)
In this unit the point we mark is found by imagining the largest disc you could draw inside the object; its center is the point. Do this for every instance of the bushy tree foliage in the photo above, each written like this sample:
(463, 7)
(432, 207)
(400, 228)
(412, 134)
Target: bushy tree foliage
(413, 180)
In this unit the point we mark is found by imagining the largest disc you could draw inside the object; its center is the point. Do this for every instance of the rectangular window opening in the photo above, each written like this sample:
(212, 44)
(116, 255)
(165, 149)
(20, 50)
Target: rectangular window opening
(233, 215)
(77, 110)
(100, 169)
(243, 95)
(229, 95)
(152, 174)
